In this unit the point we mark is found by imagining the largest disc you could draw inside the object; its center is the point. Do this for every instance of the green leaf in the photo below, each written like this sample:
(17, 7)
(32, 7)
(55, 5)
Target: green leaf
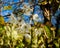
(44, 3)
(48, 32)
(7, 7)
(21, 45)
(58, 32)
(56, 44)
(1, 20)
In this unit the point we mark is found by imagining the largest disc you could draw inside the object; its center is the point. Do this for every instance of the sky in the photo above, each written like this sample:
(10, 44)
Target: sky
(36, 11)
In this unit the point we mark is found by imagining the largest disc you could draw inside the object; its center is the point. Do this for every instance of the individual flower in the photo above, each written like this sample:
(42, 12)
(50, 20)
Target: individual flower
(14, 34)
(35, 17)
(13, 19)
(27, 37)
(26, 27)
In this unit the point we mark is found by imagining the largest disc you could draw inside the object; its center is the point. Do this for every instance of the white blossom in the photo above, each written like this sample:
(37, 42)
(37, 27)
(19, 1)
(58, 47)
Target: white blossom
(14, 34)
(27, 37)
(35, 17)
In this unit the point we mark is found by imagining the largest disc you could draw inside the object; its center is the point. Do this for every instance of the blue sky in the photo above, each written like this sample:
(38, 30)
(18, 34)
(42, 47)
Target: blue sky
(37, 8)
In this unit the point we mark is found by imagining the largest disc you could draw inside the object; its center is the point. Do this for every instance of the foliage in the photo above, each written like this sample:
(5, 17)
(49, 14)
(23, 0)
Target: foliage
(16, 33)
(7, 7)
(18, 36)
